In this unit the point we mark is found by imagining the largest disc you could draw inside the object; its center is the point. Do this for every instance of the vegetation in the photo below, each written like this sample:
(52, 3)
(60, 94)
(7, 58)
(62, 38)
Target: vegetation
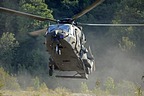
(25, 52)
(110, 87)
(10, 86)
(22, 54)
(7, 81)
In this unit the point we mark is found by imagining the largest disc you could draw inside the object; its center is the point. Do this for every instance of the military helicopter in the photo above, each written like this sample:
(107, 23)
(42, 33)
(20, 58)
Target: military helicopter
(65, 43)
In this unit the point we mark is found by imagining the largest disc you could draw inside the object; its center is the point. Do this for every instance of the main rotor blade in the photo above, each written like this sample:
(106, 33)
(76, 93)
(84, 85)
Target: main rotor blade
(96, 3)
(7, 10)
(38, 32)
(110, 25)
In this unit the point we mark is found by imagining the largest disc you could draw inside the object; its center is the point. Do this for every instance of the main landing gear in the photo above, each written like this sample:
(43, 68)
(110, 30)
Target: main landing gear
(50, 71)
(51, 67)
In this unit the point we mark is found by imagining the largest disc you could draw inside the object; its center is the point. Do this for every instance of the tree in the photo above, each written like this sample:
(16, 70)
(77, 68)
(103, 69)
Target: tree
(29, 54)
(8, 22)
(23, 56)
(129, 38)
(36, 7)
(8, 44)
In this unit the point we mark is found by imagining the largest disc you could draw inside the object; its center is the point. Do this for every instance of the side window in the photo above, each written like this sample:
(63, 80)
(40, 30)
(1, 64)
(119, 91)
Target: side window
(71, 32)
(51, 28)
(74, 30)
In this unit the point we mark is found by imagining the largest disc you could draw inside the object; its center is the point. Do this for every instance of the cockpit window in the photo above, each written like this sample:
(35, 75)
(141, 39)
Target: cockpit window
(65, 28)
(51, 28)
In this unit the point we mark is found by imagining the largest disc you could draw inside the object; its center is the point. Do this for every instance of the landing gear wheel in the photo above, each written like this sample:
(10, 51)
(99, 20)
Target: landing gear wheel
(88, 71)
(51, 70)
(86, 76)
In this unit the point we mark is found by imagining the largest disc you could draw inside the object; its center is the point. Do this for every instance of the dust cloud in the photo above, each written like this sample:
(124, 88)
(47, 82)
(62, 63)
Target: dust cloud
(110, 62)
(113, 62)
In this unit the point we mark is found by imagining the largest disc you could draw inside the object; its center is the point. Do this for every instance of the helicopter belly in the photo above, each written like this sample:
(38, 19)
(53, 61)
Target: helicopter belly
(68, 60)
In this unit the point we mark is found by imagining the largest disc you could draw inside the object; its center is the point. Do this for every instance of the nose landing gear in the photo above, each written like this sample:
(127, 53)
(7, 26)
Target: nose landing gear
(50, 71)
(58, 49)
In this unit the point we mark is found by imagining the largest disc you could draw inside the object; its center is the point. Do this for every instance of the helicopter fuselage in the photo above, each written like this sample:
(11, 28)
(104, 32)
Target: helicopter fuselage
(63, 42)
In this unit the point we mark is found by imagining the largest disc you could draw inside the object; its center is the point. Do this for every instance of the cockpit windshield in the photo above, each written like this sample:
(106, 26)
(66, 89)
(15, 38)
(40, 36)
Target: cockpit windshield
(65, 28)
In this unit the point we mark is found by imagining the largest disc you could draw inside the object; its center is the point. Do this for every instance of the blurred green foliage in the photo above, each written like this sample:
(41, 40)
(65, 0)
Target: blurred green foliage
(7, 81)
(8, 45)
(110, 87)
(19, 52)
(84, 88)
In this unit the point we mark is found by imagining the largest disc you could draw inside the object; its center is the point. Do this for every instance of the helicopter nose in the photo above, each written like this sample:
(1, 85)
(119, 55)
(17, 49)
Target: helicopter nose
(57, 35)
(60, 36)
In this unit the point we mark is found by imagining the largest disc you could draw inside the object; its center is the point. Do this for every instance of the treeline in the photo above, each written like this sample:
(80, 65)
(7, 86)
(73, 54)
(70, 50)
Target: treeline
(20, 52)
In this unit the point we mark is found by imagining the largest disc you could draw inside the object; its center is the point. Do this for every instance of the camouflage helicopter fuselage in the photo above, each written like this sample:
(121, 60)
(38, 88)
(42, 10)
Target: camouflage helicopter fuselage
(65, 44)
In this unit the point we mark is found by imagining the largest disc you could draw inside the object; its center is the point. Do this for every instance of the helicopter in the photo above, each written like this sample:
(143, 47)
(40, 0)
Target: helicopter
(65, 42)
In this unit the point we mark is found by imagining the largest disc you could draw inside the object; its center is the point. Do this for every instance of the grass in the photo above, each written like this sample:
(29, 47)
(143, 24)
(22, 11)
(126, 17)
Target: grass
(9, 86)
(124, 88)
(57, 92)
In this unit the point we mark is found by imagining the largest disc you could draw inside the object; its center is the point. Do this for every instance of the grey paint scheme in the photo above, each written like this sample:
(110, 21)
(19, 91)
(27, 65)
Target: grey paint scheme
(71, 56)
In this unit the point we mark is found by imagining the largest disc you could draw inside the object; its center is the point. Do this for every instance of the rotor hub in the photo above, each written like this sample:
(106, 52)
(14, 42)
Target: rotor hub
(66, 21)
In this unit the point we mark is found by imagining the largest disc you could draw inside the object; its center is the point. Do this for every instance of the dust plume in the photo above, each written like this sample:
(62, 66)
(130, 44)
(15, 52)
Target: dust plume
(110, 62)
(113, 62)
